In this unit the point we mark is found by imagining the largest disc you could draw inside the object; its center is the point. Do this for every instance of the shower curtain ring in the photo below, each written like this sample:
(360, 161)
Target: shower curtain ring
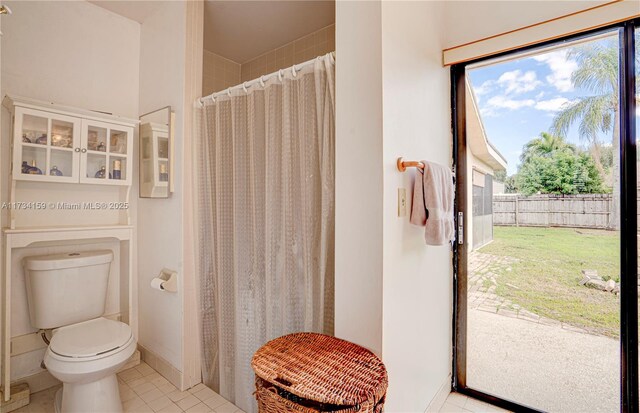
(280, 75)
(244, 87)
(262, 81)
(229, 92)
(213, 98)
(293, 71)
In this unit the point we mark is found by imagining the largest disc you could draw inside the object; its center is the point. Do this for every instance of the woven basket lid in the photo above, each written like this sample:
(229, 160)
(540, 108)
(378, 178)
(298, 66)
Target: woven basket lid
(322, 368)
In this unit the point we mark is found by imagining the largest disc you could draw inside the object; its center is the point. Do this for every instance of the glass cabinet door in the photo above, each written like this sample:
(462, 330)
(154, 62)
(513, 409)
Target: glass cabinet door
(105, 153)
(163, 160)
(46, 146)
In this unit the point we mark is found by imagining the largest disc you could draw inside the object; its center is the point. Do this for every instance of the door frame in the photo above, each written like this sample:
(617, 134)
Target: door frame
(628, 221)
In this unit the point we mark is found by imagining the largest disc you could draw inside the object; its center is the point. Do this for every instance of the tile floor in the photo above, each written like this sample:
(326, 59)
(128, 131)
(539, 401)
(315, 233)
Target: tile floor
(459, 403)
(143, 390)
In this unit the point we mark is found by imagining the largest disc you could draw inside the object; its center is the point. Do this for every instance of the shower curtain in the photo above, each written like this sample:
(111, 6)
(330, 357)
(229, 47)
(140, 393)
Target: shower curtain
(265, 210)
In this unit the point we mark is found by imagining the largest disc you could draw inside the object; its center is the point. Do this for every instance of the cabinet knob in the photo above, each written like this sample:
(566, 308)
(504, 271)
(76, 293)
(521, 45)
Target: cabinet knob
(77, 150)
(84, 150)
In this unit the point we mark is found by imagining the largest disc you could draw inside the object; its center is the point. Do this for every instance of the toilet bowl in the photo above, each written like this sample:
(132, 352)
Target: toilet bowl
(67, 293)
(85, 358)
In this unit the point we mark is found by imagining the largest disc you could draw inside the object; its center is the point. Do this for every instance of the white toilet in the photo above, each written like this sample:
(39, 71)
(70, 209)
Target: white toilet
(67, 293)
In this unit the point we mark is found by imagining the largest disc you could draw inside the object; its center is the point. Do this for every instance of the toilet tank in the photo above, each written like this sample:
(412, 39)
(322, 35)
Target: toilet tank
(68, 288)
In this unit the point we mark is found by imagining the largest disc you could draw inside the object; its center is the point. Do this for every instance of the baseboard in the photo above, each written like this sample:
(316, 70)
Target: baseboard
(44, 380)
(163, 367)
(39, 381)
(133, 361)
(19, 398)
(441, 396)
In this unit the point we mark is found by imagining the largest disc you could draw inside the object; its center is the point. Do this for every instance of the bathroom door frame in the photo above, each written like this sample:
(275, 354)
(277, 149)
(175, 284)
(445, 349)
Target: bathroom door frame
(628, 221)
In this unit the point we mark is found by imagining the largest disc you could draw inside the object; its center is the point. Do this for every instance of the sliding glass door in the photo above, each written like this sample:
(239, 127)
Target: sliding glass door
(546, 291)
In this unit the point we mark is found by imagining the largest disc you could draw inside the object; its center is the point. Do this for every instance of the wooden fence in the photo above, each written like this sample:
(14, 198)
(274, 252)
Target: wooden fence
(574, 211)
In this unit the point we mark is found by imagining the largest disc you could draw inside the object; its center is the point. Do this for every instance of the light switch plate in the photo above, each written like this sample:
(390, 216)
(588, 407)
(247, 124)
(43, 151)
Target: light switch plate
(402, 202)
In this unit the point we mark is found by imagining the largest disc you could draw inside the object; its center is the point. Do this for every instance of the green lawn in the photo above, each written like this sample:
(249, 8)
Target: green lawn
(545, 279)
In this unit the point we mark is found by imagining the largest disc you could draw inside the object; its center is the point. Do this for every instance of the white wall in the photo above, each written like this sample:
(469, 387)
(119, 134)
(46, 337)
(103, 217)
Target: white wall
(159, 229)
(191, 347)
(359, 176)
(76, 54)
(72, 53)
(417, 278)
(393, 293)
(468, 20)
(81, 55)
(408, 78)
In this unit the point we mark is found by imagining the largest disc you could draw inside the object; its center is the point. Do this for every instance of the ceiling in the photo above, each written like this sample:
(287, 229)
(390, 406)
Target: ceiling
(134, 10)
(241, 30)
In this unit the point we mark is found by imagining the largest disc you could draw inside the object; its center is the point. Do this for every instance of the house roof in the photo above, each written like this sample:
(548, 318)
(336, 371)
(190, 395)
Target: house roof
(477, 140)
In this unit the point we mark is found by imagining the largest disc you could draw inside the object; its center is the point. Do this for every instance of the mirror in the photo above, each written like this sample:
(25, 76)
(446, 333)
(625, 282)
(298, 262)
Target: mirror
(156, 150)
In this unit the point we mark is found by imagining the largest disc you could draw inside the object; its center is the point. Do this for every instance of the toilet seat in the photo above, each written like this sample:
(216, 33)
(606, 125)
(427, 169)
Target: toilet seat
(90, 340)
(87, 368)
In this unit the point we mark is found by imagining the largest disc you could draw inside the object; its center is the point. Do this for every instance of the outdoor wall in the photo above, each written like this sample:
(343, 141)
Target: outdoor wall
(393, 293)
(481, 166)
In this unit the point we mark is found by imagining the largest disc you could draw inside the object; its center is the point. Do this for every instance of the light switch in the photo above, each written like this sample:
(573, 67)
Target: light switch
(402, 202)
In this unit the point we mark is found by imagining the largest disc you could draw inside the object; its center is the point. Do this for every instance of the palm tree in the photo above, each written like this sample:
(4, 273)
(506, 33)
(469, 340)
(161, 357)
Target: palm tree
(544, 146)
(597, 113)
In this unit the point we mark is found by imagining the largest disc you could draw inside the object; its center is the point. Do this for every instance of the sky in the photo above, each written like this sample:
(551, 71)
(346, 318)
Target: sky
(518, 100)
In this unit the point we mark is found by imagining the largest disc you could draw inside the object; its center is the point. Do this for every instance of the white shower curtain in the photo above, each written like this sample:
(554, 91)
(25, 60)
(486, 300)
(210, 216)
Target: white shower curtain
(265, 187)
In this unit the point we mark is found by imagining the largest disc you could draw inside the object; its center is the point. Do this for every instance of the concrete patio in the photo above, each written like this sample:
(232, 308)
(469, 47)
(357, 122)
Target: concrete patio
(539, 362)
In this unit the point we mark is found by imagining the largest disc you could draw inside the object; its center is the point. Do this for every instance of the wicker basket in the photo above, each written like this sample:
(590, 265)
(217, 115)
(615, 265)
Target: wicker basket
(308, 372)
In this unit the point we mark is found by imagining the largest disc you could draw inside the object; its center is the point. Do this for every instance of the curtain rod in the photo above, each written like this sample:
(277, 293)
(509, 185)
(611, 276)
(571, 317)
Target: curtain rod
(261, 80)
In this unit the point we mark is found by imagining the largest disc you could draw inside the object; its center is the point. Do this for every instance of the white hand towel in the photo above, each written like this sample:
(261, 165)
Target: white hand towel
(432, 207)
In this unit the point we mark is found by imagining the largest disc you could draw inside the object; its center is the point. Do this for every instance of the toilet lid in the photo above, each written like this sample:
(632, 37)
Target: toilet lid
(90, 338)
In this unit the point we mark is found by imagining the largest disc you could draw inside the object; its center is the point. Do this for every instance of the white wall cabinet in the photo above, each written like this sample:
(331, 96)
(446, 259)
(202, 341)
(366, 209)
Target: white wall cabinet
(61, 144)
(108, 146)
(43, 147)
(154, 160)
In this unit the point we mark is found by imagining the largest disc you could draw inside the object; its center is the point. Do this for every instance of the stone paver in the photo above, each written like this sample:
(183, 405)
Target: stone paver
(482, 270)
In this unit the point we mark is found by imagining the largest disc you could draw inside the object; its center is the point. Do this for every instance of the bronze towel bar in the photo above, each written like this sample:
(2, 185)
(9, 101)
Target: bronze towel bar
(403, 165)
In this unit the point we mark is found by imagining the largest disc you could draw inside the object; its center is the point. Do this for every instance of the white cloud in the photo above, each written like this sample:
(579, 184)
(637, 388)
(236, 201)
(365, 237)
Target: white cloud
(488, 112)
(517, 82)
(504, 102)
(561, 69)
(484, 88)
(553, 105)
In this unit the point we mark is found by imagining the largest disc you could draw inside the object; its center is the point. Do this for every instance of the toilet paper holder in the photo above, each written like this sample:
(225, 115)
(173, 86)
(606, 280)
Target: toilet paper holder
(167, 281)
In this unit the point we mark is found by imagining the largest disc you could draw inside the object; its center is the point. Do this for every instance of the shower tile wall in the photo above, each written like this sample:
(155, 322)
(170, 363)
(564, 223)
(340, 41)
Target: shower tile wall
(218, 73)
(305, 48)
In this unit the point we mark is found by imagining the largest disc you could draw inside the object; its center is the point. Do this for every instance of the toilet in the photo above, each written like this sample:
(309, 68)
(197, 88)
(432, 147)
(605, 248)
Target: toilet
(68, 293)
